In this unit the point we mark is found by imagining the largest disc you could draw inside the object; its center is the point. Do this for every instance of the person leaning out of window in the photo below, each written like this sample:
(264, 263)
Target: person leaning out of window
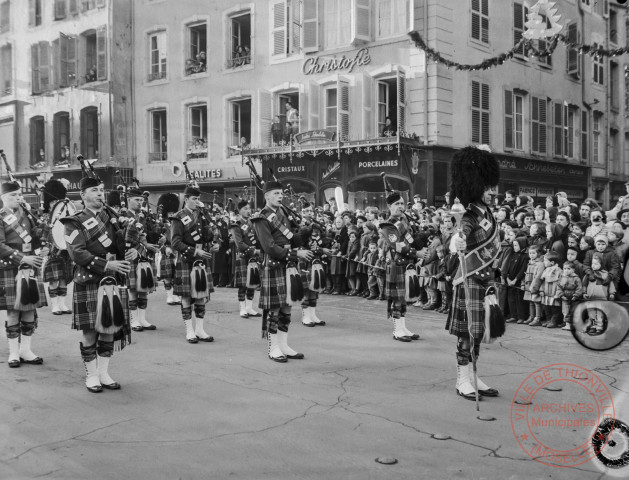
(388, 129)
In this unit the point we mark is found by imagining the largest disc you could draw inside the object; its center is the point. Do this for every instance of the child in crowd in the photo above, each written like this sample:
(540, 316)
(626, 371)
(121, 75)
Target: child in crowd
(538, 234)
(572, 255)
(353, 249)
(569, 291)
(547, 288)
(501, 265)
(609, 259)
(429, 267)
(532, 276)
(452, 265)
(597, 285)
(371, 258)
(513, 277)
(440, 277)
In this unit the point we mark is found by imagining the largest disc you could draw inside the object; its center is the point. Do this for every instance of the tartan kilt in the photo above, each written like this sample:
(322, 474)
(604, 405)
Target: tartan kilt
(457, 317)
(337, 265)
(58, 267)
(181, 282)
(8, 291)
(166, 267)
(240, 271)
(132, 276)
(85, 304)
(273, 291)
(395, 288)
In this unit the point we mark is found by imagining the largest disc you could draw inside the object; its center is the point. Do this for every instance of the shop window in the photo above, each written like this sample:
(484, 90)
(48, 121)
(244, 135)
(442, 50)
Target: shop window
(240, 112)
(37, 128)
(40, 67)
(387, 107)
(197, 49)
(614, 94)
(34, 13)
(159, 136)
(520, 11)
(6, 70)
(392, 17)
(596, 137)
(240, 42)
(197, 132)
(94, 58)
(65, 60)
(480, 20)
(286, 28)
(480, 113)
(337, 24)
(538, 125)
(514, 112)
(158, 56)
(89, 132)
(61, 139)
(584, 135)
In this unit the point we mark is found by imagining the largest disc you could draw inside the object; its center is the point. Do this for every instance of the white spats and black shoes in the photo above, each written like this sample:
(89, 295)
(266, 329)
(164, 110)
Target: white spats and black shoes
(135, 322)
(92, 380)
(191, 337)
(202, 336)
(142, 320)
(483, 388)
(56, 307)
(313, 316)
(105, 380)
(282, 338)
(398, 333)
(275, 353)
(306, 317)
(26, 354)
(62, 305)
(172, 299)
(243, 310)
(250, 311)
(464, 385)
(14, 352)
(414, 336)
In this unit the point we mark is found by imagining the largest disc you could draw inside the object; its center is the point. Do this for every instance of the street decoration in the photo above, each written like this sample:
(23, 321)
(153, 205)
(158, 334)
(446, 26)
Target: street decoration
(542, 21)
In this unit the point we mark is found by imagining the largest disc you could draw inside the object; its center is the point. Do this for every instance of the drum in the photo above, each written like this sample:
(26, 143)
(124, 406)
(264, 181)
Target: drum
(60, 210)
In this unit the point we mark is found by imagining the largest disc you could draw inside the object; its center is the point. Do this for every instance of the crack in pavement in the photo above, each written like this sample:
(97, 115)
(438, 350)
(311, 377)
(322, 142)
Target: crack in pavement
(514, 351)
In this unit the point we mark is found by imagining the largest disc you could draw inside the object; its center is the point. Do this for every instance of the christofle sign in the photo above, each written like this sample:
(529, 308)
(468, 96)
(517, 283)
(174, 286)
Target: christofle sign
(320, 64)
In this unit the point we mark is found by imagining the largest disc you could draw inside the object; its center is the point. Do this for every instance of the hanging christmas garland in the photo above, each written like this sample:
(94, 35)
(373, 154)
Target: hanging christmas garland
(524, 45)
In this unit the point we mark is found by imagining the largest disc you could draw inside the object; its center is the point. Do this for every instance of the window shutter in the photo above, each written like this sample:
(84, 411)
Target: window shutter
(71, 60)
(31, 13)
(313, 106)
(73, 8)
(573, 57)
(62, 64)
(311, 25)
(519, 17)
(5, 16)
(278, 30)
(542, 125)
(368, 101)
(295, 26)
(476, 19)
(342, 110)
(44, 66)
(60, 9)
(303, 110)
(475, 112)
(101, 52)
(558, 129)
(361, 21)
(508, 119)
(35, 68)
(265, 117)
(584, 135)
(401, 103)
(485, 114)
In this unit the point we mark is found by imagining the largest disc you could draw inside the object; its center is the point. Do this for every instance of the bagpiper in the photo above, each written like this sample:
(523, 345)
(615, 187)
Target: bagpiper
(168, 205)
(21, 291)
(400, 254)
(190, 238)
(58, 266)
(141, 279)
(247, 259)
(100, 303)
(279, 241)
(474, 172)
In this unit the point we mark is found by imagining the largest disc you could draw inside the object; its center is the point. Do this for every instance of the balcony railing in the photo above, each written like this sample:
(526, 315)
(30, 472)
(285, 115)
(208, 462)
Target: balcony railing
(239, 60)
(156, 76)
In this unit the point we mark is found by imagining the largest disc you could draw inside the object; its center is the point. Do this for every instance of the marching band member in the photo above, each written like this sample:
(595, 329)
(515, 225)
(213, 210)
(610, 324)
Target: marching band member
(246, 244)
(21, 290)
(141, 278)
(273, 229)
(169, 204)
(58, 267)
(100, 309)
(474, 172)
(190, 233)
(314, 241)
(399, 254)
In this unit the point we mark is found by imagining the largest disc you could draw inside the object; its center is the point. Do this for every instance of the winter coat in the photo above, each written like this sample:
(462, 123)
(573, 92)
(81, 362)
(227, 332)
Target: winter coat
(593, 231)
(570, 286)
(516, 269)
(579, 268)
(610, 262)
(452, 264)
(532, 278)
(548, 285)
(598, 285)
(621, 249)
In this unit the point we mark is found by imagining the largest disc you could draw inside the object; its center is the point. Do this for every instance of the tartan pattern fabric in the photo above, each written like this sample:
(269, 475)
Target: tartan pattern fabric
(395, 288)
(8, 290)
(273, 291)
(181, 282)
(240, 271)
(457, 318)
(166, 267)
(59, 267)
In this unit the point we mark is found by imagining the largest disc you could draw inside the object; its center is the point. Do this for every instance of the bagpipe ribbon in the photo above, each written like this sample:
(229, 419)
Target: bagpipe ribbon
(110, 315)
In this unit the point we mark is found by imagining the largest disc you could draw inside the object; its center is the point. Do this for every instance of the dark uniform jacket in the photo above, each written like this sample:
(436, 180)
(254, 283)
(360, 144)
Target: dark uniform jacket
(14, 247)
(277, 240)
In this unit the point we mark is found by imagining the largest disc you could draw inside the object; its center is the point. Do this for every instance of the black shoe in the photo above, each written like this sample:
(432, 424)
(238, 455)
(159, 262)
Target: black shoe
(207, 339)
(96, 389)
(415, 336)
(137, 329)
(66, 311)
(469, 396)
(255, 315)
(111, 386)
(402, 339)
(58, 313)
(150, 327)
(35, 361)
(193, 340)
(279, 359)
(297, 356)
(490, 392)
(312, 324)
(14, 364)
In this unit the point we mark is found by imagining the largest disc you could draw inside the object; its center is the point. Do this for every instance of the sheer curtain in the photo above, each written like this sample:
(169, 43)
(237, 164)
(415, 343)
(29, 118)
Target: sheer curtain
(337, 22)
